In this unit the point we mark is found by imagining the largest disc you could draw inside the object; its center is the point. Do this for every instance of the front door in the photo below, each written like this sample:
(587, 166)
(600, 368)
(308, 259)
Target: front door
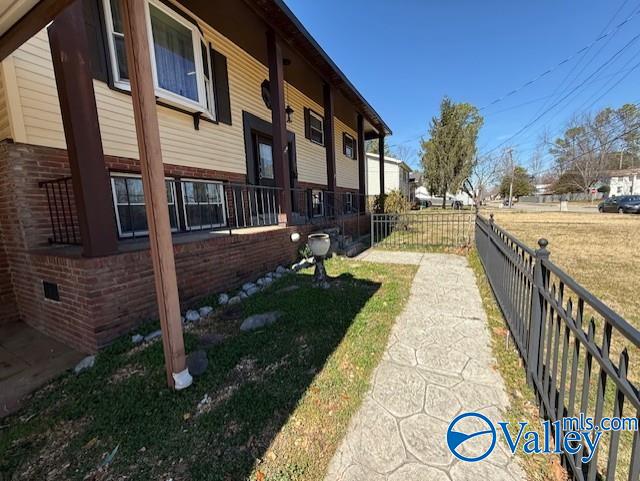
(264, 160)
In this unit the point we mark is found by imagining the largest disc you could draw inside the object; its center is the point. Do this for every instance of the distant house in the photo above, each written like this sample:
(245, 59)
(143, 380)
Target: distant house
(624, 182)
(542, 189)
(415, 181)
(396, 175)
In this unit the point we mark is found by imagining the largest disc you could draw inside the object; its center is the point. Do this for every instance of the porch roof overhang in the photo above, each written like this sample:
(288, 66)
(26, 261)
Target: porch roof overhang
(21, 19)
(283, 19)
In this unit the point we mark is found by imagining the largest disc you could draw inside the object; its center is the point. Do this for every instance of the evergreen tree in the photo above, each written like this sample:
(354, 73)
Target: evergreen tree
(448, 156)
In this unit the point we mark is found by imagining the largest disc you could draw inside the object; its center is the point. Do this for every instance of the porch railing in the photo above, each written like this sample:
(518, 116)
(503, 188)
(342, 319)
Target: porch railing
(575, 348)
(61, 205)
(234, 206)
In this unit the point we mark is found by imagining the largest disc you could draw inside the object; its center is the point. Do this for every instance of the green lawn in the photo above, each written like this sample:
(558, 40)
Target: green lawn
(280, 398)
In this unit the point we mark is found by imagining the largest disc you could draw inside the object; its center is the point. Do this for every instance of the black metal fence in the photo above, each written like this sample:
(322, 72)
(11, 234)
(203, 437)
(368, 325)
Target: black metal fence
(576, 349)
(422, 230)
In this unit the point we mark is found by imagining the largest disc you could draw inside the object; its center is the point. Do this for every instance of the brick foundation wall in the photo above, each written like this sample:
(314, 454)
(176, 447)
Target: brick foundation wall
(8, 307)
(103, 298)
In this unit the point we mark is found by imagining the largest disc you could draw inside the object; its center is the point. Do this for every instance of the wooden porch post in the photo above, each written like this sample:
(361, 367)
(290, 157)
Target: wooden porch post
(362, 185)
(155, 192)
(381, 155)
(91, 189)
(279, 125)
(329, 137)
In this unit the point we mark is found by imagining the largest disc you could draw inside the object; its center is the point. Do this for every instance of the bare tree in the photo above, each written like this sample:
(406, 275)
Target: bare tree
(405, 153)
(582, 154)
(484, 177)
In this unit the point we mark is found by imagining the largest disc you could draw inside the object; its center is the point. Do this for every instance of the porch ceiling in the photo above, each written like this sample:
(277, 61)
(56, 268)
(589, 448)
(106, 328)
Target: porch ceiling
(22, 19)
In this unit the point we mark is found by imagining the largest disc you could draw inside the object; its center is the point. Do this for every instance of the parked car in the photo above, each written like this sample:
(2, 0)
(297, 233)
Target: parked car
(456, 204)
(626, 204)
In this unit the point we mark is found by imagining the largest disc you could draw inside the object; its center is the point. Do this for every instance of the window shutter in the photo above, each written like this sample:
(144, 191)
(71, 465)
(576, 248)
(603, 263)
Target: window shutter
(221, 86)
(307, 123)
(344, 143)
(94, 26)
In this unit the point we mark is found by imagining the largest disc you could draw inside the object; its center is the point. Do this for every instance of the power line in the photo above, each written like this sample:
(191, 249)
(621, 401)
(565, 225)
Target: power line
(584, 55)
(563, 62)
(555, 104)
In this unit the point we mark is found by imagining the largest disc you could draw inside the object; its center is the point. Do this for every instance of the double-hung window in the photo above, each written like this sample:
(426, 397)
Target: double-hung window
(349, 146)
(128, 199)
(348, 203)
(203, 204)
(316, 128)
(179, 56)
(317, 203)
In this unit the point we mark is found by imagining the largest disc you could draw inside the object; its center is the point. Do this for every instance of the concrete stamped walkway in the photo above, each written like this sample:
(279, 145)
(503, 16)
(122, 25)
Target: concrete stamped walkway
(438, 364)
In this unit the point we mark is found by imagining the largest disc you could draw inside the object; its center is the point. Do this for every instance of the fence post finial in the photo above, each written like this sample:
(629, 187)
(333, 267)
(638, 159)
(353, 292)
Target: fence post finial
(542, 251)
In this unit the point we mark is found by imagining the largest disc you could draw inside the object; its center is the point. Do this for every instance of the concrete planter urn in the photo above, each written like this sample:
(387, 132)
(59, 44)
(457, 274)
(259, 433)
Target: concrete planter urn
(319, 245)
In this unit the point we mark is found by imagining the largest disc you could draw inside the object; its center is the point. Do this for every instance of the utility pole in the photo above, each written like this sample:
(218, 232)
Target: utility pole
(510, 151)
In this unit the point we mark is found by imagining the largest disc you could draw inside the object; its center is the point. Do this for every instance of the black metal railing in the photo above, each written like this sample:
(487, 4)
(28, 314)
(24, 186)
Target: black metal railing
(65, 228)
(251, 205)
(202, 206)
(311, 206)
(422, 230)
(575, 348)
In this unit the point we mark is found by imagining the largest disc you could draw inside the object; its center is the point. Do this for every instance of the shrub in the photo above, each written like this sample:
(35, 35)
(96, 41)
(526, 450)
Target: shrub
(395, 203)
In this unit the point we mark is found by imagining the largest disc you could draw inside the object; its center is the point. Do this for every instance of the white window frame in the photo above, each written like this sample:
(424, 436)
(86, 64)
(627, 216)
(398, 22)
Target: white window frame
(353, 146)
(184, 204)
(319, 194)
(135, 233)
(166, 95)
(321, 120)
(348, 195)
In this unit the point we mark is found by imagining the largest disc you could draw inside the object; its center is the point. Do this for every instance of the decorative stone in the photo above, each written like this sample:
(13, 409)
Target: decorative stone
(137, 338)
(247, 286)
(192, 316)
(223, 299)
(242, 295)
(205, 311)
(257, 321)
(280, 270)
(86, 363)
(197, 363)
(235, 300)
(277, 275)
(254, 290)
(153, 335)
(267, 282)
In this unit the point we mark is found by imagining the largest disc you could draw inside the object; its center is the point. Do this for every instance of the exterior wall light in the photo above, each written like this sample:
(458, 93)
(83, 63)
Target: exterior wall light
(295, 237)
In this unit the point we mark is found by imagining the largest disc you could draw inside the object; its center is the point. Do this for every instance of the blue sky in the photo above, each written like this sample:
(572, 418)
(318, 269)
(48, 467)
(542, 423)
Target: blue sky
(405, 55)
